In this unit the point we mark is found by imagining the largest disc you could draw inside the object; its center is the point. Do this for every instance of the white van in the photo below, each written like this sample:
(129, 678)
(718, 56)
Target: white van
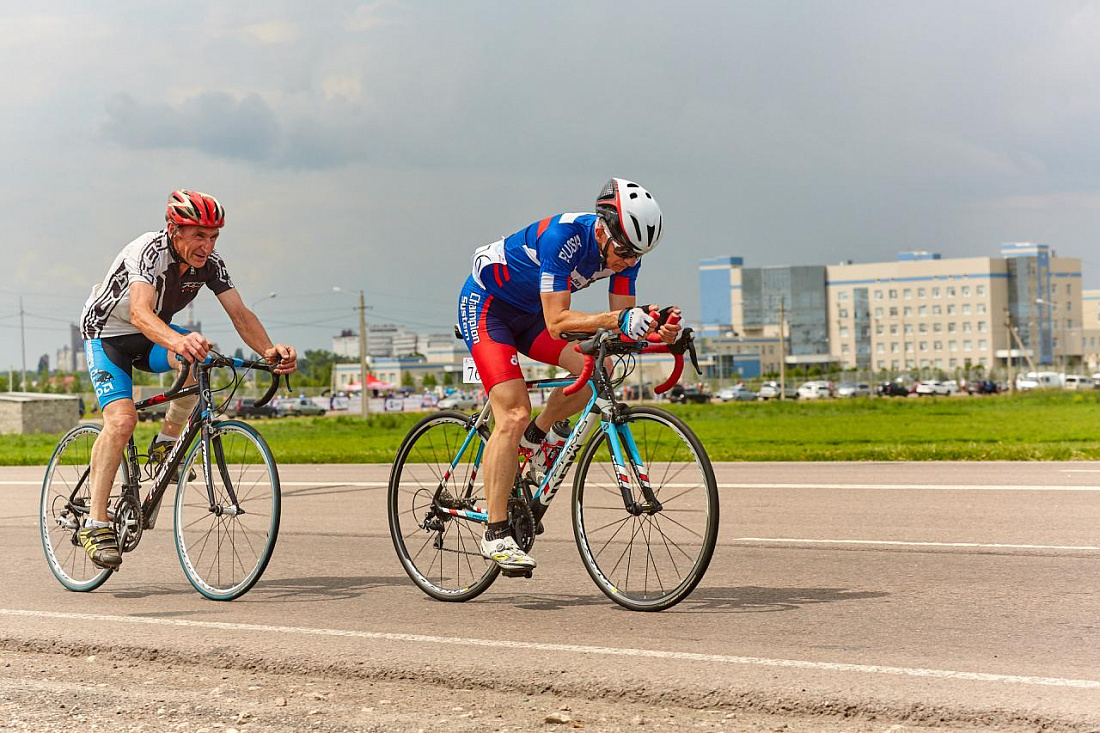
(1078, 381)
(1039, 380)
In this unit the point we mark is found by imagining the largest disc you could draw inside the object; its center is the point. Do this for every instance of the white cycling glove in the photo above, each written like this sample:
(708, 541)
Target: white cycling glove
(635, 323)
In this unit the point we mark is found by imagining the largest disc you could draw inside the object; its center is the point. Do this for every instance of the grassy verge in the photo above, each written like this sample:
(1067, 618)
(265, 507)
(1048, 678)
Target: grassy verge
(1041, 426)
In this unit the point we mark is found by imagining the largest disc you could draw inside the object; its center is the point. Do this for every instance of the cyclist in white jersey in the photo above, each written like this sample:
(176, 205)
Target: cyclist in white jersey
(126, 322)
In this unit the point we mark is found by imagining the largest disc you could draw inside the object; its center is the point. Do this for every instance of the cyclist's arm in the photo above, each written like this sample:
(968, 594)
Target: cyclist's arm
(254, 333)
(143, 298)
(559, 318)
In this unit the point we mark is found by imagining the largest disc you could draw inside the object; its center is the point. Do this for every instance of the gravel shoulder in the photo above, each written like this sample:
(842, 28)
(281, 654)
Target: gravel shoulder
(42, 691)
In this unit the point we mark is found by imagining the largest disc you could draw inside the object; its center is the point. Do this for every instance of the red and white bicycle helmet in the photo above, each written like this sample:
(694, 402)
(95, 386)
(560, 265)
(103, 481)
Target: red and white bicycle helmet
(631, 213)
(193, 208)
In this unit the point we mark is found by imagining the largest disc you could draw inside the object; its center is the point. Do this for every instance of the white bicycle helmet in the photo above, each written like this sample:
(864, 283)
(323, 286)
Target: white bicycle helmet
(631, 213)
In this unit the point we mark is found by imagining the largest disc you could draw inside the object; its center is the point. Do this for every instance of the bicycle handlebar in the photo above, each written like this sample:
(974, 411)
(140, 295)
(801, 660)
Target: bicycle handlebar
(596, 347)
(213, 361)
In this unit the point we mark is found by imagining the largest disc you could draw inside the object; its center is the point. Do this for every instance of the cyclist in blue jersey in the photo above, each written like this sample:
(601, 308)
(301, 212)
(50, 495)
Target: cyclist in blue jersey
(517, 299)
(126, 322)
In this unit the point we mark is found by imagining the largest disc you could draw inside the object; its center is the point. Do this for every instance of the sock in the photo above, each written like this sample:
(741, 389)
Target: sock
(497, 530)
(534, 435)
(162, 438)
(90, 523)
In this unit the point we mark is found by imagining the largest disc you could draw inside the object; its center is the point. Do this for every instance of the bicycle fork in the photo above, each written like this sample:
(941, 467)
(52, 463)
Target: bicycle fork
(623, 448)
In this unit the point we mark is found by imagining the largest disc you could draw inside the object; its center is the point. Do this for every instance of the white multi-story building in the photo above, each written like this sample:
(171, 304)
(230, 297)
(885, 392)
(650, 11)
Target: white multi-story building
(921, 311)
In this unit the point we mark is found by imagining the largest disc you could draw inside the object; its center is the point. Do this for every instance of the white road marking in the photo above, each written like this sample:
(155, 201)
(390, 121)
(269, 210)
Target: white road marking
(903, 543)
(837, 487)
(569, 648)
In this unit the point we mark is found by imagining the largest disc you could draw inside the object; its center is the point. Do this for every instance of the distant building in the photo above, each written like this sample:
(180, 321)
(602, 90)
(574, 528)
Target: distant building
(922, 311)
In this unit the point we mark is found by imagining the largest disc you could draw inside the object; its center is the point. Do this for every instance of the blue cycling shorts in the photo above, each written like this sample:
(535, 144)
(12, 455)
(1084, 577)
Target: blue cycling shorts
(111, 360)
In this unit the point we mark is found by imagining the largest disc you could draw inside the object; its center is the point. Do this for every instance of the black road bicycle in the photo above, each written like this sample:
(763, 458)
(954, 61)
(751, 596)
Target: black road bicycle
(645, 501)
(226, 513)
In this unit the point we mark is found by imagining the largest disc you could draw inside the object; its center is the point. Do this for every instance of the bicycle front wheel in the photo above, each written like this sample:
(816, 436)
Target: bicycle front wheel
(225, 545)
(439, 551)
(647, 561)
(66, 500)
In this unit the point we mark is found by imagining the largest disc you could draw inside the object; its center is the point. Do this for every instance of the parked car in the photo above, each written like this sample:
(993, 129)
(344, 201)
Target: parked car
(853, 389)
(246, 407)
(770, 391)
(1078, 381)
(680, 394)
(927, 388)
(736, 393)
(815, 390)
(458, 401)
(300, 405)
(932, 387)
(982, 386)
(892, 389)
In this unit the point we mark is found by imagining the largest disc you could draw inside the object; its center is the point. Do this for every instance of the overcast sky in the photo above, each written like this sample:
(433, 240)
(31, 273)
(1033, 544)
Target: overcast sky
(375, 145)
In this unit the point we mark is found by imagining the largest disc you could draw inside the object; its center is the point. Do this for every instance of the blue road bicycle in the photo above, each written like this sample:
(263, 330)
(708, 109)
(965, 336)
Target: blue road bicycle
(645, 501)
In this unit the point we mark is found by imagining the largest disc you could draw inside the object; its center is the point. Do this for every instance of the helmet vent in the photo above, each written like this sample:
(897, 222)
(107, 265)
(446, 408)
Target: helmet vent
(651, 230)
(637, 226)
(633, 195)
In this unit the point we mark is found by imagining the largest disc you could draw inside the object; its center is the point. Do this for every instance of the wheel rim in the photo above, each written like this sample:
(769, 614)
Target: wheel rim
(441, 553)
(223, 553)
(68, 561)
(648, 558)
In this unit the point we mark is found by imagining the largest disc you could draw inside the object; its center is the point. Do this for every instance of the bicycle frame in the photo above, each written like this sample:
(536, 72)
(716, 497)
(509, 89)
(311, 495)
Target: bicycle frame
(600, 411)
(201, 421)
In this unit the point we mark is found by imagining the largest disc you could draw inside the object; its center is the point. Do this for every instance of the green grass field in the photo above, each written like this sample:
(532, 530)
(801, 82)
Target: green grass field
(1039, 426)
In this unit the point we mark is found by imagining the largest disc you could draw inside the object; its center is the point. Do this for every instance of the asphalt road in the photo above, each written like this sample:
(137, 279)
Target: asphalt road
(963, 595)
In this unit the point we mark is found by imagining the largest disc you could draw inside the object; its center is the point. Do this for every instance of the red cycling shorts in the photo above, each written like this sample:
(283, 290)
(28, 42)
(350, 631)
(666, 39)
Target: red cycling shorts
(496, 332)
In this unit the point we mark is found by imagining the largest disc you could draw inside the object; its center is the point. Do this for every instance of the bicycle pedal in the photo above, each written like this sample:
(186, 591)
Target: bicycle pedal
(540, 529)
(516, 573)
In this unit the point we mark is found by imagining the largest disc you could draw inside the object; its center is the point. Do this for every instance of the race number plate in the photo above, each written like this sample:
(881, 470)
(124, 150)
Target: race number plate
(469, 371)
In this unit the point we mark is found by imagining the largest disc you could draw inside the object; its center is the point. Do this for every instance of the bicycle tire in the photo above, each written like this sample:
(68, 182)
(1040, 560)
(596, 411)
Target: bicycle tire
(434, 441)
(685, 530)
(67, 559)
(203, 535)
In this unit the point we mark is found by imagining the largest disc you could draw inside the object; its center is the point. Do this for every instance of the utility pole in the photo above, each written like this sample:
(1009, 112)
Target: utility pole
(23, 341)
(363, 354)
(1008, 352)
(782, 349)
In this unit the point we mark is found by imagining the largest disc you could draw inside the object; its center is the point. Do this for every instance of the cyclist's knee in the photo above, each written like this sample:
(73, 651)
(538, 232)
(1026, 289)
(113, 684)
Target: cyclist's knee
(120, 417)
(512, 420)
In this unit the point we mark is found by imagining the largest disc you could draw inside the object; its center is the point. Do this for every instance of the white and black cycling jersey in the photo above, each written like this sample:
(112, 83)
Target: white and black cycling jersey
(150, 259)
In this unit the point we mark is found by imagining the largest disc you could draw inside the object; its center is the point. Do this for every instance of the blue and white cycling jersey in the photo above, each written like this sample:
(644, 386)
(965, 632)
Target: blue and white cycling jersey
(554, 255)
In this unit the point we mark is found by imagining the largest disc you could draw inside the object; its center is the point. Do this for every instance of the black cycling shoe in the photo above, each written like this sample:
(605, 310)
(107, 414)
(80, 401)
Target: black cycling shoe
(101, 544)
(158, 454)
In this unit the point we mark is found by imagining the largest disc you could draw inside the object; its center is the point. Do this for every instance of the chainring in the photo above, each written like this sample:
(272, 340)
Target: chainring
(522, 522)
(128, 515)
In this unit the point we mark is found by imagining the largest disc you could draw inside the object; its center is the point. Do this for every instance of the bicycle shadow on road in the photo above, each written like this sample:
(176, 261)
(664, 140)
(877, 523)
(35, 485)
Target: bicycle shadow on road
(745, 599)
(315, 588)
(757, 599)
(321, 588)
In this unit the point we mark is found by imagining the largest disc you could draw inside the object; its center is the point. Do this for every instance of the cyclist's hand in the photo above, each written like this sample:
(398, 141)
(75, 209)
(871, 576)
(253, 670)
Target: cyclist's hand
(635, 323)
(670, 333)
(192, 346)
(285, 356)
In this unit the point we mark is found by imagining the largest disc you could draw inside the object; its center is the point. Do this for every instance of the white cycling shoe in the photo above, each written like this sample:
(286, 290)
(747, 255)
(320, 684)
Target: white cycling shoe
(507, 554)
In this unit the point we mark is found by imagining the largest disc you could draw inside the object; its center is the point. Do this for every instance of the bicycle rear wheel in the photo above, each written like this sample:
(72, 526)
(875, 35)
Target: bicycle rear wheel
(225, 548)
(59, 517)
(440, 552)
(647, 561)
